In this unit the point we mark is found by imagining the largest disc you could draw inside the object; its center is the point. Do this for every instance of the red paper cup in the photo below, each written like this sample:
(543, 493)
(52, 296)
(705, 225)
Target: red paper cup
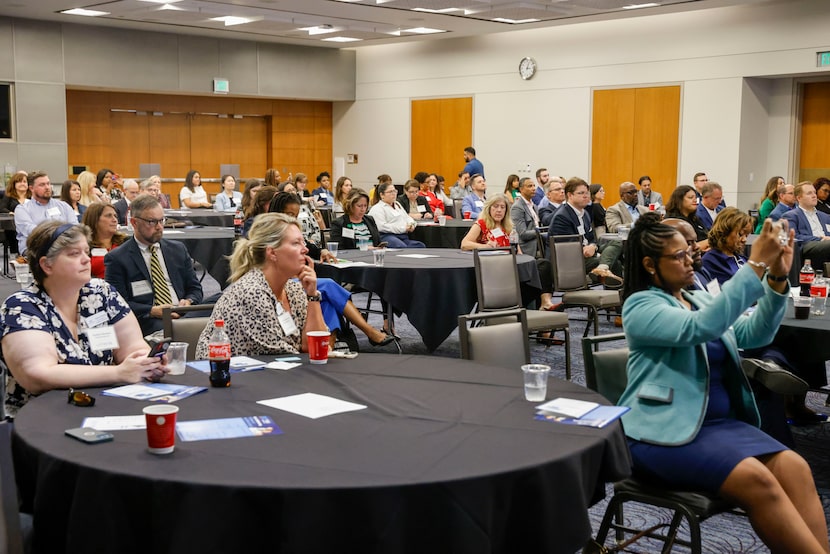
(467, 215)
(161, 428)
(318, 346)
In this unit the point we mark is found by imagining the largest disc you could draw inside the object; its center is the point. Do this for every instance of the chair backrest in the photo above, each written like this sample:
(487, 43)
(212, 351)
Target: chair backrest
(503, 345)
(541, 247)
(497, 279)
(568, 263)
(457, 205)
(11, 537)
(605, 370)
(186, 329)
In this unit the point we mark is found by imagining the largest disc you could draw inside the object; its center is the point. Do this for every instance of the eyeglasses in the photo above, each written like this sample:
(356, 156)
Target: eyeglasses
(152, 222)
(80, 398)
(680, 255)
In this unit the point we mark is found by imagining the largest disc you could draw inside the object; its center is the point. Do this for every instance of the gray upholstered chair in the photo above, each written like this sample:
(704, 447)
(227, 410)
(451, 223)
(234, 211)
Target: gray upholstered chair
(185, 329)
(503, 345)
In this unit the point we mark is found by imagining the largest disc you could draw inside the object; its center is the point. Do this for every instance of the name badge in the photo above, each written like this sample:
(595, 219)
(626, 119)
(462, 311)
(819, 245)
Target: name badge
(479, 204)
(323, 196)
(102, 338)
(302, 215)
(53, 212)
(141, 288)
(827, 227)
(286, 321)
(96, 319)
(421, 208)
(497, 233)
(713, 287)
(348, 233)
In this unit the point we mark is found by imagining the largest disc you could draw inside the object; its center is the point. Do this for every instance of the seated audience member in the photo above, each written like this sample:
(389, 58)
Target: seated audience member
(822, 186)
(626, 211)
(525, 218)
(151, 272)
(461, 189)
(493, 229)
(273, 177)
(336, 300)
(543, 179)
(341, 190)
(71, 194)
(413, 203)
(259, 205)
(106, 181)
(786, 202)
(646, 196)
(727, 242)
(103, 224)
(193, 195)
(573, 219)
(553, 200)
(435, 195)
(394, 223)
(229, 199)
(474, 202)
(768, 201)
(354, 224)
(812, 227)
(271, 275)
(121, 206)
(44, 345)
(251, 188)
(17, 192)
(323, 190)
(301, 184)
(89, 192)
(682, 204)
(707, 436)
(597, 209)
(40, 207)
(152, 186)
(711, 196)
(511, 187)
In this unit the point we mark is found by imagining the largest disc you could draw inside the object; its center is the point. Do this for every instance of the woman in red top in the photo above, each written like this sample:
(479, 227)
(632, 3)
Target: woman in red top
(428, 189)
(493, 228)
(103, 222)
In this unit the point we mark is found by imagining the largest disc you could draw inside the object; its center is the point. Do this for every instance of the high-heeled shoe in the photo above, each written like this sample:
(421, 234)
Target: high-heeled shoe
(387, 339)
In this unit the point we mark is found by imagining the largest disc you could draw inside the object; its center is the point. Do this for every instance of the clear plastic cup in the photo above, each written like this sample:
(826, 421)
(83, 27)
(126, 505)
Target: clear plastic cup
(536, 381)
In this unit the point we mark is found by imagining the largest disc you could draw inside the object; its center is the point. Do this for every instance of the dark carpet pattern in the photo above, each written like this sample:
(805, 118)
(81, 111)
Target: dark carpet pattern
(722, 534)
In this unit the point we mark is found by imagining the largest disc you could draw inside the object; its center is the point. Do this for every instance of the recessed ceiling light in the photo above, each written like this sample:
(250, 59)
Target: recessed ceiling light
(342, 39)
(514, 21)
(320, 29)
(161, 1)
(170, 7)
(422, 31)
(234, 20)
(81, 11)
(638, 6)
(442, 10)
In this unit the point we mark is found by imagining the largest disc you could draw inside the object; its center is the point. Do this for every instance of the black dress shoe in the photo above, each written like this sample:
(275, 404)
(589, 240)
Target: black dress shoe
(383, 342)
(774, 377)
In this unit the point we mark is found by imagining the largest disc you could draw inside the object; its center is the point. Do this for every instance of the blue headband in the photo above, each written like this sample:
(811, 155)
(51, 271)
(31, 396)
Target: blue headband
(57, 233)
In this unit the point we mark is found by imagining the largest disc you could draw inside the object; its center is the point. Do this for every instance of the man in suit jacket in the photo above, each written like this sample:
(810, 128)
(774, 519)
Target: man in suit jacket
(626, 211)
(647, 196)
(128, 267)
(786, 202)
(554, 198)
(524, 216)
(573, 219)
(812, 227)
(711, 197)
(121, 207)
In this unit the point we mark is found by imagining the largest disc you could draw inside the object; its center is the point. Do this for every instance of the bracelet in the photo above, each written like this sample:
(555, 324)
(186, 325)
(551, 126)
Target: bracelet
(758, 265)
(316, 297)
(777, 279)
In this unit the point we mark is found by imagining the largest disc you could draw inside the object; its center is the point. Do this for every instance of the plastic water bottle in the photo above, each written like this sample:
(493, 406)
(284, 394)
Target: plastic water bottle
(128, 222)
(219, 355)
(805, 277)
(237, 221)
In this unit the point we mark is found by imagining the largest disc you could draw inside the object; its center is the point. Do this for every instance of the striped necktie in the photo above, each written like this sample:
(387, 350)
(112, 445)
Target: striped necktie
(162, 291)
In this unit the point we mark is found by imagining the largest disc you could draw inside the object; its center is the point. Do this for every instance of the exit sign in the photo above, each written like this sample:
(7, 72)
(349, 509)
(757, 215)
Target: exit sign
(823, 59)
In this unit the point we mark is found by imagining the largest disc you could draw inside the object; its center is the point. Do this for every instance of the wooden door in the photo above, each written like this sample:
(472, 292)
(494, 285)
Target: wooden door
(440, 130)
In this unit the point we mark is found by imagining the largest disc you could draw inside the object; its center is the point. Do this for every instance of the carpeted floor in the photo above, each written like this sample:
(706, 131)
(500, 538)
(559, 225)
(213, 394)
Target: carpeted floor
(722, 534)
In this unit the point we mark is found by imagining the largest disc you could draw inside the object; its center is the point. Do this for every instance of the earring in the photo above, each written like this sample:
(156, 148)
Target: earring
(651, 273)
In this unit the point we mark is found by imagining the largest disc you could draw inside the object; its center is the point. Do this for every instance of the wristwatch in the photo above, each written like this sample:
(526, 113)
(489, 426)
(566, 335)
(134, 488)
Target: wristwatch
(316, 297)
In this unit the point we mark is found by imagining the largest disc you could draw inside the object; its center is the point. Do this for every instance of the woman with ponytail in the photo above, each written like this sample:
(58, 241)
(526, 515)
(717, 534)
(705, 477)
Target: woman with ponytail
(271, 277)
(693, 421)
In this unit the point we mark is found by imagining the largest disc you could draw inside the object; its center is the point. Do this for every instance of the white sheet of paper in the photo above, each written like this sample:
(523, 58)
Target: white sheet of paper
(284, 366)
(311, 405)
(418, 256)
(172, 232)
(116, 423)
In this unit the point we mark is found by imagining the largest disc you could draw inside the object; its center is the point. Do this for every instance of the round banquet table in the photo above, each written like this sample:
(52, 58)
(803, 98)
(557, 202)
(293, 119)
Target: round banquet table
(432, 292)
(442, 236)
(445, 458)
(806, 337)
(202, 216)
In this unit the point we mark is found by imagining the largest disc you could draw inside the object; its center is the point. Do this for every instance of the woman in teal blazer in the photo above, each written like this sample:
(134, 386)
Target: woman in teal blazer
(693, 420)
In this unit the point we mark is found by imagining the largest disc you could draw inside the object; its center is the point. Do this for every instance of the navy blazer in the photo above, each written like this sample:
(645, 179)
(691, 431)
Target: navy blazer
(721, 266)
(345, 243)
(798, 221)
(125, 265)
(778, 211)
(704, 217)
(121, 211)
(566, 222)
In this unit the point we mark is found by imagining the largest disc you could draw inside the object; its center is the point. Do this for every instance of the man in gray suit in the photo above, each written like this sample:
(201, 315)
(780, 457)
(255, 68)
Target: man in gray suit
(525, 216)
(647, 196)
(626, 211)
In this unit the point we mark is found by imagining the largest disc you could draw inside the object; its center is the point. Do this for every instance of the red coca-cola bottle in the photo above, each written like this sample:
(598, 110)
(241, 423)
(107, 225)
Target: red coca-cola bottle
(805, 277)
(219, 355)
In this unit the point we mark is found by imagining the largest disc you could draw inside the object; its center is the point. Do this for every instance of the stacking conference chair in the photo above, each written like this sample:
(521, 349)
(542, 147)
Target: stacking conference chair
(185, 329)
(498, 287)
(503, 345)
(569, 278)
(605, 372)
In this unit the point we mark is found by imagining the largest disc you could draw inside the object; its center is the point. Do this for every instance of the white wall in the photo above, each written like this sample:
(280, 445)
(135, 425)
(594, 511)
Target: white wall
(546, 121)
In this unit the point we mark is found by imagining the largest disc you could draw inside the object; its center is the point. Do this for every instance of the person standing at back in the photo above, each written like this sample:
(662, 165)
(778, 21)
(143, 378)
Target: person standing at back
(473, 164)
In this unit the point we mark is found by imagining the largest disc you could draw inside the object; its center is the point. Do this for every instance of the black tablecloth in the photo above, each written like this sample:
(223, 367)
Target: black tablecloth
(209, 246)
(208, 218)
(447, 458)
(432, 292)
(446, 236)
(807, 339)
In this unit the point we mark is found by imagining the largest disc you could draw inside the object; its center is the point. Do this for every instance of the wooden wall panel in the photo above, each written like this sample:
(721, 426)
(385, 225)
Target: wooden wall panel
(129, 139)
(170, 146)
(814, 158)
(635, 132)
(247, 136)
(451, 121)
